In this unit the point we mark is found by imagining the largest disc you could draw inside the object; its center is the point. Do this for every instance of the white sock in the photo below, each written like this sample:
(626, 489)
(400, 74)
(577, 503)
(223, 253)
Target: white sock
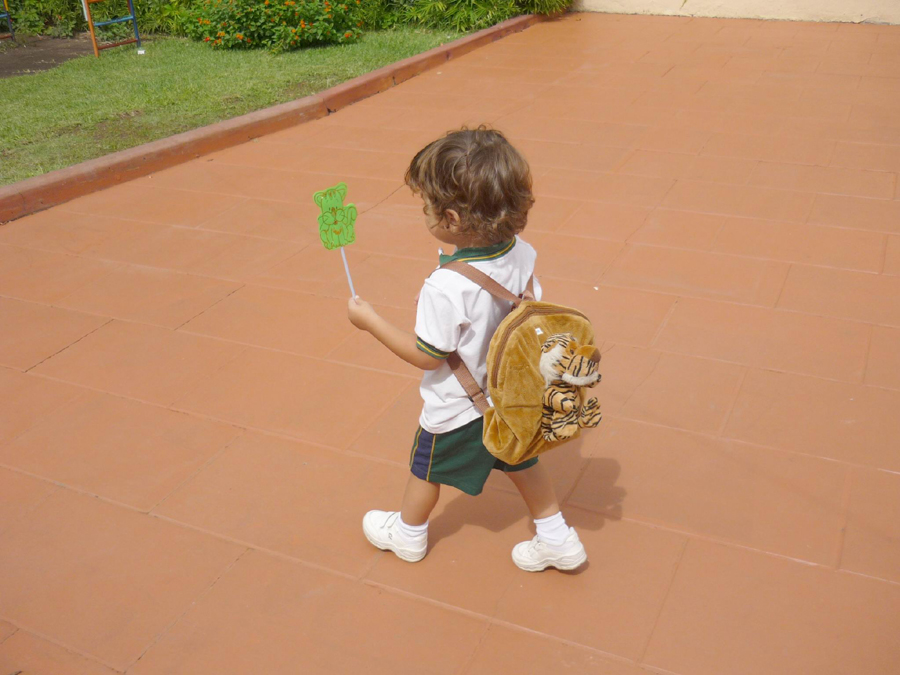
(412, 532)
(553, 529)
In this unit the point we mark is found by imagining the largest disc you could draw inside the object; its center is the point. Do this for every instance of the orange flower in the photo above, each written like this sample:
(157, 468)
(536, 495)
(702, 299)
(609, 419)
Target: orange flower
(239, 36)
(207, 39)
(347, 34)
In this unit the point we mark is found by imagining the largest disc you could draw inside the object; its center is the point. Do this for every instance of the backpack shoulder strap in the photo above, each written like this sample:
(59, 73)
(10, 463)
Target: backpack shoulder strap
(457, 367)
(483, 280)
(468, 383)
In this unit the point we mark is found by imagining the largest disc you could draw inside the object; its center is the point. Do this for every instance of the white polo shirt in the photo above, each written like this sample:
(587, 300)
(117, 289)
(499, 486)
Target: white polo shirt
(457, 315)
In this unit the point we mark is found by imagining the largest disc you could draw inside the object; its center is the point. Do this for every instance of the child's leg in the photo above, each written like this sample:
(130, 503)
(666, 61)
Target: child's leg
(537, 490)
(419, 500)
(556, 544)
(405, 532)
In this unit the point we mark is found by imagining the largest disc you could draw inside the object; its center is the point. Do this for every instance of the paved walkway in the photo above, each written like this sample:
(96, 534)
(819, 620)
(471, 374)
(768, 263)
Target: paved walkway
(190, 430)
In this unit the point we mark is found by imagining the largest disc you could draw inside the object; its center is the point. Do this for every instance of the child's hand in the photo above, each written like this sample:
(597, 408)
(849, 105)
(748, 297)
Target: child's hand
(361, 313)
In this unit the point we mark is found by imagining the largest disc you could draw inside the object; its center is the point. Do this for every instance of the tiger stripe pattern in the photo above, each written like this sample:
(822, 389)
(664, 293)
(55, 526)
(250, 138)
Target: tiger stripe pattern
(567, 367)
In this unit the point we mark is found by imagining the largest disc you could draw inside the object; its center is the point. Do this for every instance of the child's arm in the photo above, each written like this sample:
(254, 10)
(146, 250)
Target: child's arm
(403, 344)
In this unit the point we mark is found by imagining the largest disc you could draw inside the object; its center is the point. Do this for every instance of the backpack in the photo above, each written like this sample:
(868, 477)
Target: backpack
(521, 423)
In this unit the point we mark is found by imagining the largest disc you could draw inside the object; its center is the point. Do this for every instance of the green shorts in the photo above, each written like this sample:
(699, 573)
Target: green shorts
(457, 458)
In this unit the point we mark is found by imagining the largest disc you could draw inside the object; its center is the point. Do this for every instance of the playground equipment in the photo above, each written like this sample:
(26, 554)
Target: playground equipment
(91, 25)
(5, 15)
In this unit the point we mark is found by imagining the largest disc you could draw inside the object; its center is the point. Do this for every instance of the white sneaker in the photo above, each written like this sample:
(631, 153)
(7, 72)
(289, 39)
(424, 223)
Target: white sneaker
(381, 530)
(537, 555)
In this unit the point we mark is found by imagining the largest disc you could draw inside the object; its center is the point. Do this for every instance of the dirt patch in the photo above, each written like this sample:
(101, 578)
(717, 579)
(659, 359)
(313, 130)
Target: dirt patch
(298, 89)
(116, 129)
(29, 55)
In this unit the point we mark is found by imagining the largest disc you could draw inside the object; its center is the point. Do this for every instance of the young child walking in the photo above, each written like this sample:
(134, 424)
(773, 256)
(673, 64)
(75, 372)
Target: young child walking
(477, 192)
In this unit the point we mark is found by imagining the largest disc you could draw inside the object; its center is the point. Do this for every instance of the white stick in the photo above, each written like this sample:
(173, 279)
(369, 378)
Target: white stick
(347, 270)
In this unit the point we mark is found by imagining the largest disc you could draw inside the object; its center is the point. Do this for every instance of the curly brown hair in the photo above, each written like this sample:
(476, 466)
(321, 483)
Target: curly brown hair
(478, 174)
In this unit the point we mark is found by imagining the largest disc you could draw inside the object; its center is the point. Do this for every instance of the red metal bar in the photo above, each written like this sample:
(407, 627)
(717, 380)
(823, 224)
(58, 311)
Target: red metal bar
(110, 45)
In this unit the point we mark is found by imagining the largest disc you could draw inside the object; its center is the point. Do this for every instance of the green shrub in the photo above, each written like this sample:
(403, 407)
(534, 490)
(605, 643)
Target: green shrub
(458, 15)
(384, 13)
(47, 17)
(277, 25)
(62, 18)
(462, 15)
(544, 6)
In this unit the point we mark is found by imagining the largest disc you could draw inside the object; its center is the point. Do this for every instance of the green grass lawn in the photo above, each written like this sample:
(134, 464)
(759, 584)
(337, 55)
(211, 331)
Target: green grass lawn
(90, 107)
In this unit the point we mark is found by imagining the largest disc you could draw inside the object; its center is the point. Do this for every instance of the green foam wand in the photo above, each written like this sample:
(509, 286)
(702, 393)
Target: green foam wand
(336, 222)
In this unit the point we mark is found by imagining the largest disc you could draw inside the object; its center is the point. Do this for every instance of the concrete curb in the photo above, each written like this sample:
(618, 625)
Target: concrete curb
(56, 187)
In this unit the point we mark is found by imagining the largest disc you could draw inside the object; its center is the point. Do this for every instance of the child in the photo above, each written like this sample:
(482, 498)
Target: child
(477, 193)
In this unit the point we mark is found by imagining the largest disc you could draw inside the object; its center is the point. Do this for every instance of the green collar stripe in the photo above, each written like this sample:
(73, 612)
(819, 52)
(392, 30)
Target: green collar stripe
(431, 351)
(480, 254)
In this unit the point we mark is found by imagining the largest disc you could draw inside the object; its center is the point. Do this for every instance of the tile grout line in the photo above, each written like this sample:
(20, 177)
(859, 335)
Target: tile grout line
(254, 547)
(690, 534)
(174, 622)
(202, 416)
(579, 506)
(209, 462)
(274, 350)
(784, 284)
(651, 210)
(662, 326)
(48, 638)
(204, 311)
(607, 285)
(464, 666)
(381, 412)
(381, 460)
(662, 603)
(241, 201)
(868, 357)
(845, 519)
(72, 488)
(731, 439)
(383, 200)
(607, 656)
(492, 620)
(16, 629)
(34, 507)
(454, 608)
(723, 425)
(641, 383)
(71, 344)
(564, 501)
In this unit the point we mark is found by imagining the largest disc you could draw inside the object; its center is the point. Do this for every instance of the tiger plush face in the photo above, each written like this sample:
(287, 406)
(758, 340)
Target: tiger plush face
(564, 360)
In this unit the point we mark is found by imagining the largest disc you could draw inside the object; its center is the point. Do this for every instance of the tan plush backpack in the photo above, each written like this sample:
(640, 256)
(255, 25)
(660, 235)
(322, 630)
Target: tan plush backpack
(533, 410)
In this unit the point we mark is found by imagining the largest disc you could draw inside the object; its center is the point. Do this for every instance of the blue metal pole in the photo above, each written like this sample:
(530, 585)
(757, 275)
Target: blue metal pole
(9, 22)
(137, 36)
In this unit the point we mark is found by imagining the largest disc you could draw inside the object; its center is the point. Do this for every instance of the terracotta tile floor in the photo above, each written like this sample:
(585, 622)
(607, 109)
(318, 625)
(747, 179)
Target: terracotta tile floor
(190, 430)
